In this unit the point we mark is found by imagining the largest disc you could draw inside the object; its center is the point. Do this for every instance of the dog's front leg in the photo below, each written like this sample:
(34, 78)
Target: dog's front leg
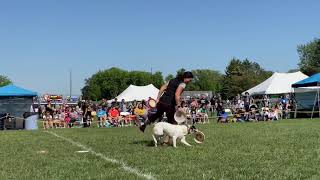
(174, 140)
(155, 141)
(183, 140)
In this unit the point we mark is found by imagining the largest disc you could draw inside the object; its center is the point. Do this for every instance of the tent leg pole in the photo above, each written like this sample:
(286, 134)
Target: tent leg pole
(318, 101)
(314, 104)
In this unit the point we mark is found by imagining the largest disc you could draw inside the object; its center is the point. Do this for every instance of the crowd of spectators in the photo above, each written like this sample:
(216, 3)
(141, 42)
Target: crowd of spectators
(248, 109)
(106, 114)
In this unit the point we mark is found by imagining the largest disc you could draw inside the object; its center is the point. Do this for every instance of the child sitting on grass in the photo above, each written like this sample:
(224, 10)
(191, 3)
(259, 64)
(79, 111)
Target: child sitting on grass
(223, 117)
(252, 115)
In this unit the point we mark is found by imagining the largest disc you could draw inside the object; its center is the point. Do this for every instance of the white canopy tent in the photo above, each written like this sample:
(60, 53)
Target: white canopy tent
(278, 83)
(139, 93)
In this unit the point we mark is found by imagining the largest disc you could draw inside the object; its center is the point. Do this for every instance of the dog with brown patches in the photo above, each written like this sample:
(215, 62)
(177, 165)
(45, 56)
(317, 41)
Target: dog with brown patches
(174, 132)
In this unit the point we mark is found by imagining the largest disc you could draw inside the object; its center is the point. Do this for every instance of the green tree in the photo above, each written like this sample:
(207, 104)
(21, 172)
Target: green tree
(4, 80)
(293, 70)
(157, 79)
(205, 80)
(180, 71)
(241, 76)
(92, 91)
(109, 83)
(309, 55)
(169, 77)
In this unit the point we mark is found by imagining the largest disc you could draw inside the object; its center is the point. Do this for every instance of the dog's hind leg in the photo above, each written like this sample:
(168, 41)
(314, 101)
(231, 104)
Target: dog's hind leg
(183, 141)
(155, 141)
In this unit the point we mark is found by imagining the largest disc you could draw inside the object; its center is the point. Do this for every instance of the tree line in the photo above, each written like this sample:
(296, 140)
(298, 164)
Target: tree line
(238, 76)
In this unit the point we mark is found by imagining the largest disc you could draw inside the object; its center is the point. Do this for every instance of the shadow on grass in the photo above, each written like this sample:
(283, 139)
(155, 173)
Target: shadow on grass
(145, 143)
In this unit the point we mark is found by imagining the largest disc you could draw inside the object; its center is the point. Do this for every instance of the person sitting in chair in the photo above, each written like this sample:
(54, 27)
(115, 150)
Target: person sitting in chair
(47, 120)
(203, 114)
(114, 116)
(102, 117)
(140, 112)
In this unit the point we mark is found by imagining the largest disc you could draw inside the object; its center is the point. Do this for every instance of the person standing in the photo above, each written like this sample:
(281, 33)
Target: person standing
(169, 100)
(123, 106)
(246, 99)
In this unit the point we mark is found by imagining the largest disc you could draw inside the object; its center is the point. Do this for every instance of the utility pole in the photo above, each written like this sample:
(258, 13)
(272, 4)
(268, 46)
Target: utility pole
(70, 83)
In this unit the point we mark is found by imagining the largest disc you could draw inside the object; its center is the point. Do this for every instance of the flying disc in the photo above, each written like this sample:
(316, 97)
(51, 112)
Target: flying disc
(180, 117)
(152, 103)
(199, 137)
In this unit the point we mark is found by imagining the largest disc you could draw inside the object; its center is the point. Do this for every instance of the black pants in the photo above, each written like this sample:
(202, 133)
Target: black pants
(85, 121)
(163, 108)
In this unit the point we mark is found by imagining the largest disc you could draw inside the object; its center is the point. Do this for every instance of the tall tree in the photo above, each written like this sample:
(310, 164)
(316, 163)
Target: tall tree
(309, 55)
(293, 70)
(169, 77)
(205, 80)
(180, 71)
(109, 83)
(4, 80)
(241, 76)
(157, 79)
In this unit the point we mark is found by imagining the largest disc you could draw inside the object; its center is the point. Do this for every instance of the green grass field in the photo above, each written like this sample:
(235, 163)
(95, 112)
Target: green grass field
(288, 149)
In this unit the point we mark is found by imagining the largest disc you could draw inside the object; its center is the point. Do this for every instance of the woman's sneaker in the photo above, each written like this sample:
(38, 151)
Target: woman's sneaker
(143, 128)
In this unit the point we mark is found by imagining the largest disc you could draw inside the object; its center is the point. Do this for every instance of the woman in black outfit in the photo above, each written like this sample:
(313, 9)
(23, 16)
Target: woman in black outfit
(169, 99)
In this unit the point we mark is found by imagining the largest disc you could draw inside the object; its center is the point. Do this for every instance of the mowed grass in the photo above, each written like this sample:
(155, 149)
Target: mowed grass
(288, 149)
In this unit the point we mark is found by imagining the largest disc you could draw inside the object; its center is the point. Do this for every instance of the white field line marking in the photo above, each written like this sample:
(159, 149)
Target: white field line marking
(114, 161)
(82, 151)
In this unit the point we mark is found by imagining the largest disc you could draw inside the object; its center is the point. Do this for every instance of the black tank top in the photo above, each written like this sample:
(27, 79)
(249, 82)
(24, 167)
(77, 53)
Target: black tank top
(169, 94)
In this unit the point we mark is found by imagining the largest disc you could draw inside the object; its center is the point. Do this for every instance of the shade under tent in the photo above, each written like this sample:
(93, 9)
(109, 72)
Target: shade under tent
(310, 84)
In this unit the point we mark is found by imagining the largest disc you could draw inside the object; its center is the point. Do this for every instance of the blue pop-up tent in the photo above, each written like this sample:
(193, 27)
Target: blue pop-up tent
(310, 83)
(15, 91)
(313, 80)
(15, 100)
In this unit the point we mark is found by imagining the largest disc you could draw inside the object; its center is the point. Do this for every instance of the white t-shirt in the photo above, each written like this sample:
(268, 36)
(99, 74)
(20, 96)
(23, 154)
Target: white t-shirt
(183, 85)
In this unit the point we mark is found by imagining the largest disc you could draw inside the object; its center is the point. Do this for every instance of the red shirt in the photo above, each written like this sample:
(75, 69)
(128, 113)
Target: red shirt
(114, 113)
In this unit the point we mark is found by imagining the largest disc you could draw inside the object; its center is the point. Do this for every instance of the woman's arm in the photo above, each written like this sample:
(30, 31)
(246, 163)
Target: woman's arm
(178, 95)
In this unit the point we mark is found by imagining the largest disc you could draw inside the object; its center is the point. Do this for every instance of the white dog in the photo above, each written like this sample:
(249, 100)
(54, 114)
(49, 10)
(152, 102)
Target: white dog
(175, 132)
